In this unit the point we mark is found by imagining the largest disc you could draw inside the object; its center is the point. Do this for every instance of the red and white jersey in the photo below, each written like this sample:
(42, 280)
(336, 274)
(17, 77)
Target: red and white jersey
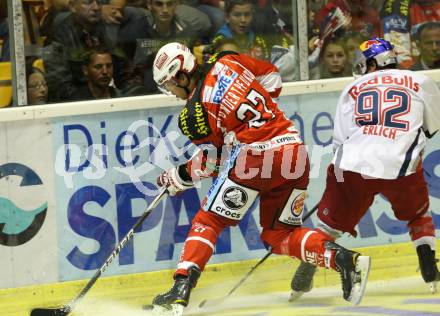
(233, 104)
(380, 123)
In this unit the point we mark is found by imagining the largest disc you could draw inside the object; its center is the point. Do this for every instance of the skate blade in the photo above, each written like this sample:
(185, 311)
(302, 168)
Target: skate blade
(168, 310)
(433, 287)
(295, 295)
(363, 264)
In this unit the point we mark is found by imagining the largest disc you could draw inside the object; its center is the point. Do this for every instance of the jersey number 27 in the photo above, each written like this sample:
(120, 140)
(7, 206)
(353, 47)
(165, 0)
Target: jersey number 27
(253, 113)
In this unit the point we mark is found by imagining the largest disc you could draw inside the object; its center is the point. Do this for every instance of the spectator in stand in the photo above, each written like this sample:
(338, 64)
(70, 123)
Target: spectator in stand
(158, 27)
(428, 42)
(98, 69)
(275, 46)
(333, 61)
(238, 16)
(37, 91)
(80, 31)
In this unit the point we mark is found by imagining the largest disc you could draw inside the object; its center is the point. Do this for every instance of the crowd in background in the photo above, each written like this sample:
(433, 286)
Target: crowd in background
(90, 49)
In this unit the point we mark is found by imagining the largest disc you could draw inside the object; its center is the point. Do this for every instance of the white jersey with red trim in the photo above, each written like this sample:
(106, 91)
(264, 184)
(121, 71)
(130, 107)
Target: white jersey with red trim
(381, 120)
(233, 104)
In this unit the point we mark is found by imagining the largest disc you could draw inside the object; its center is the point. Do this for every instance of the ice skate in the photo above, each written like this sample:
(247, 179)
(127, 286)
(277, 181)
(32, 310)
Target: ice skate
(353, 269)
(302, 281)
(174, 301)
(428, 266)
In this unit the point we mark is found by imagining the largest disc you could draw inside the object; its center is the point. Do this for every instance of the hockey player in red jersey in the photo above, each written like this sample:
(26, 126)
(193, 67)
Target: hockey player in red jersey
(382, 121)
(230, 107)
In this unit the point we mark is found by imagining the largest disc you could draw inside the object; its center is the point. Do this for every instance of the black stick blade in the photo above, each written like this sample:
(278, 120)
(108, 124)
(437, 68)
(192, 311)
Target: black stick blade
(212, 302)
(49, 312)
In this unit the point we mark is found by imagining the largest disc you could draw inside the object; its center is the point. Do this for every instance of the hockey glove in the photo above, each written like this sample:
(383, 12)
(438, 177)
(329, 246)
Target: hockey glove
(175, 180)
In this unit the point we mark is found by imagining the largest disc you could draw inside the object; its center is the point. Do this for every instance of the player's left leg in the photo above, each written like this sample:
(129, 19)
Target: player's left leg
(225, 205)
(353, 197)
(198, 248)
(318, 248)
(280, 216)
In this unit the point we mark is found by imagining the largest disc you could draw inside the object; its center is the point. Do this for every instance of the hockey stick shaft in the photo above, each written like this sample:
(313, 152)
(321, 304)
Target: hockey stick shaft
(65, 310)
(267, 255)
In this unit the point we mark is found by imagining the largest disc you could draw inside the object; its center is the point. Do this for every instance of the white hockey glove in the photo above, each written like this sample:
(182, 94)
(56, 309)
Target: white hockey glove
(173, 180)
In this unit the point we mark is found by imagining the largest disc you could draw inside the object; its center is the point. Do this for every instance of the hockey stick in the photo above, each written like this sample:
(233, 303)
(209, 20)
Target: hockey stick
(67, 309)
(213, 302)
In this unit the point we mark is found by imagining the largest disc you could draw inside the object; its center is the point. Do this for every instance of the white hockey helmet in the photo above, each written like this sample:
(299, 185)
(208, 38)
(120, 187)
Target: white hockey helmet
(376, 48)
(171, 59)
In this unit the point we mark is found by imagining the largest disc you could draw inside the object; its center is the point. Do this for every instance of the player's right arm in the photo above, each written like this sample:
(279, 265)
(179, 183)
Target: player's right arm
(205, 163)
(431, 114)
(265, 72)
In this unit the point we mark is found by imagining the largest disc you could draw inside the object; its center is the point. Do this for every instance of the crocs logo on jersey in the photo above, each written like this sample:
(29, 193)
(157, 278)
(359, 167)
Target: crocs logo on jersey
(298, 204)
(161, 60)
(235, 198)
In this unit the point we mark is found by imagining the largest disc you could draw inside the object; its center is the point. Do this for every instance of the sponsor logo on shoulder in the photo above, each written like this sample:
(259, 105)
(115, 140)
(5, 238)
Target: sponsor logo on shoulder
(224, 80)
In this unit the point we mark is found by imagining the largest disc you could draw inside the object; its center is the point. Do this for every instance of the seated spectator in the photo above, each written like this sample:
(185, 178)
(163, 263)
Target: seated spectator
(238, 16)
(98, 70)
(276, 47)
(333, 61)
(77, 33)
(158, 27)
(153, 31)
(37, 91)
(427, 39)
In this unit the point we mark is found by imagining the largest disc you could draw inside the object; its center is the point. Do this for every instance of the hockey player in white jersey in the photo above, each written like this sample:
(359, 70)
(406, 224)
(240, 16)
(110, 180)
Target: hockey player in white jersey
(382, 122)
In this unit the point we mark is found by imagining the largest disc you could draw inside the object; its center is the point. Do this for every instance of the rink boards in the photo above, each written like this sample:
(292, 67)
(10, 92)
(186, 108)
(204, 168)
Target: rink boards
(87, 179)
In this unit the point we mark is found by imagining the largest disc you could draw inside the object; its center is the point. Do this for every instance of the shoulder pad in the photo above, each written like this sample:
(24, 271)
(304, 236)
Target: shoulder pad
(193, 121)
